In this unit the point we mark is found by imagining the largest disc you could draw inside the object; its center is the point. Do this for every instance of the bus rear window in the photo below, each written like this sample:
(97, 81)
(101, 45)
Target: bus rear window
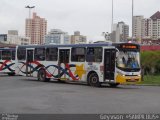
(94, 54)
(6, 55)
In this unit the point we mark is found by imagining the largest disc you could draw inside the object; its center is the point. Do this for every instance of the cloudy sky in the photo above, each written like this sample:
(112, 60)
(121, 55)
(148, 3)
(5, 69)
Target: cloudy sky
(90, 17)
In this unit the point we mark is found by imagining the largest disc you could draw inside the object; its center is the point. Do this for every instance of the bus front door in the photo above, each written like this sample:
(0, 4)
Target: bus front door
(109, 64)
(63, 60)
(29, 60)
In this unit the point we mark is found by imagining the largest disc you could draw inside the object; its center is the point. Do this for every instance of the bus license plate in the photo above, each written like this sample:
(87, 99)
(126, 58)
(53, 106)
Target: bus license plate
(132, 80)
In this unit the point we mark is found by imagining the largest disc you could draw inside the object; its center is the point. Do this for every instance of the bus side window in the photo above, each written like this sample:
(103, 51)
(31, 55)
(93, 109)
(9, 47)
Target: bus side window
(39, 54)
(51, 54)
(78, 54)
(0, 55)
(6, 55)
(21, 53)
(13, 55)
(113, 56)
(64, 56)
(94, 54)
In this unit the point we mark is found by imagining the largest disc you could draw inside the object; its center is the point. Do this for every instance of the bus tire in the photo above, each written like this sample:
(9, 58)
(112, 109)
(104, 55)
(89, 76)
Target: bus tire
(11, 74)
(113, 84)
(42, 76)
(93, 80)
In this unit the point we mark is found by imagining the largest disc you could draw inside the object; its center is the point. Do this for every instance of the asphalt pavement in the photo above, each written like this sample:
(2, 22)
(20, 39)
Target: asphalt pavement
(27, 95)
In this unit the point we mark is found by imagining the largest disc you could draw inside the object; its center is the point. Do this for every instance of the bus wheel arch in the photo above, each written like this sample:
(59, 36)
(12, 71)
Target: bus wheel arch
(93, 79)
(42, 75)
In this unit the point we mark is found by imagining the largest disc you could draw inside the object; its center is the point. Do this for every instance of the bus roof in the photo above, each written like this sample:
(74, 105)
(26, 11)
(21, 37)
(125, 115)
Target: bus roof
(75, 45)
(7, 48)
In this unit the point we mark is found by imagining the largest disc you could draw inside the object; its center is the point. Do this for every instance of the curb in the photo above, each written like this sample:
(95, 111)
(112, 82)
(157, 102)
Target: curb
(146, 85)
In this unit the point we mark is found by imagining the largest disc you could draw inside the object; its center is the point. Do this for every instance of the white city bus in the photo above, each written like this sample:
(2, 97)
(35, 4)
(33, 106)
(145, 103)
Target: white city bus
(7, 60)
(115, 64)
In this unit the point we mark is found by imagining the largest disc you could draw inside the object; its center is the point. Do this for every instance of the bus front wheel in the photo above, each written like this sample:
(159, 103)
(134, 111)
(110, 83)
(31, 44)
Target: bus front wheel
(42, 76)
(93, 80)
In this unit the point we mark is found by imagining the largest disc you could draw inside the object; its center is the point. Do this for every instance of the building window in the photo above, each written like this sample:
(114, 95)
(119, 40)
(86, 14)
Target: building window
(39, 54)
(51, 54)
(94, 54)
(78, 54)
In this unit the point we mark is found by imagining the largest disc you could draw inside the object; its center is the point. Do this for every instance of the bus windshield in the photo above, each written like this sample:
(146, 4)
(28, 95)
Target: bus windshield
(128, 60)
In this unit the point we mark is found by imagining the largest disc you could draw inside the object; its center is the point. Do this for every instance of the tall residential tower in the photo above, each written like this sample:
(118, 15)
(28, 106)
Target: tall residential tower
(36, 29)
(138, 27)
(147, 28)
(120, 32)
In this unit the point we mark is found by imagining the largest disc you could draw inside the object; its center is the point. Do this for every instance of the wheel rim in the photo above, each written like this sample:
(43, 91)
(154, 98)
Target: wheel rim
(42, 75)
(94, 80)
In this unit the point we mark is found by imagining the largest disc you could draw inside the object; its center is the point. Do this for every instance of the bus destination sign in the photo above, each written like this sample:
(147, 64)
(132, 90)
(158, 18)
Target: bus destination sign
(129, 46)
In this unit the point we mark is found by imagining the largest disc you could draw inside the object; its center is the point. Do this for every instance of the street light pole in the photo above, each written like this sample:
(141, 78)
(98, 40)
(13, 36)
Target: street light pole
(132, 19)
(30, 7)
(112, 17)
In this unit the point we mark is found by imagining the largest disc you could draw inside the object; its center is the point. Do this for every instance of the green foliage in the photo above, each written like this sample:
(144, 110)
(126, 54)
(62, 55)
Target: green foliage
(151, 80)
(150, 61)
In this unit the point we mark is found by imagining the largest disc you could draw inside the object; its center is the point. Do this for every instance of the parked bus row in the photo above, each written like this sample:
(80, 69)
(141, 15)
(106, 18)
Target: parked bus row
(97, 63)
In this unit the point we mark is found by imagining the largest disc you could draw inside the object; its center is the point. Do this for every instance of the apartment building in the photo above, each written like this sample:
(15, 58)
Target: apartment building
(138, 27)
(57, 36)
(147, 28)
(78, 38)
(120, 32)
(156, 25)
(13, 38)
(36, 29)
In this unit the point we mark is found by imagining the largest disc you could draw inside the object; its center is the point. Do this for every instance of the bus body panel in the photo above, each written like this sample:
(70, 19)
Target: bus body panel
(79, 70)
(7, 66)
(64, 68)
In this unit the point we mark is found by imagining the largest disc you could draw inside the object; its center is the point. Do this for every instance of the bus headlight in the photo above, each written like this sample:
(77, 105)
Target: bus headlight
(121, 74)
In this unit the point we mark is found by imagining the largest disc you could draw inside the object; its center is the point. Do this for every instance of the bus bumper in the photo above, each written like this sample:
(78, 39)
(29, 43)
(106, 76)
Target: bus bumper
(128, 79)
